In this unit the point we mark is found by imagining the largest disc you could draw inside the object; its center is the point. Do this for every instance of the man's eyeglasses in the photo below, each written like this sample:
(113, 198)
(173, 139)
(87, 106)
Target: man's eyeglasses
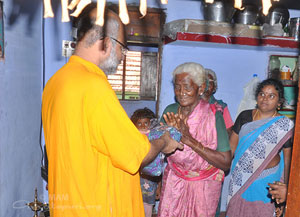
(123, 46)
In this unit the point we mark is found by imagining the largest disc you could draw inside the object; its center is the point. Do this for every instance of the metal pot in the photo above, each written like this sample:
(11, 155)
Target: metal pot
(248, 15)
(277, 14)
(294, 28)
(218, 11)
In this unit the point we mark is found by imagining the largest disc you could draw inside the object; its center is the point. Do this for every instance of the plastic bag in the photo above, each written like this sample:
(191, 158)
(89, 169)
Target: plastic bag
(156, 167)
(249, 101)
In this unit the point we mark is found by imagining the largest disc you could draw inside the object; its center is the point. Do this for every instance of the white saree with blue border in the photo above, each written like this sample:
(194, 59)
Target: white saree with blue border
(260, 141)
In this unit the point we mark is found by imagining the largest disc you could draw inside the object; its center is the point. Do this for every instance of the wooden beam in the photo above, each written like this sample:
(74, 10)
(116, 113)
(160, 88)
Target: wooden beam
(293, 198)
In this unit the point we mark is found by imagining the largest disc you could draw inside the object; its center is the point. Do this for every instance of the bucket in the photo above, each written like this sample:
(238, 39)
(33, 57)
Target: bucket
(285, 75)
(294, 28)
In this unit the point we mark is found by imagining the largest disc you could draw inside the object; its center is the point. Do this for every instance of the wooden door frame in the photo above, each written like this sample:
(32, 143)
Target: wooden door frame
(293, 197)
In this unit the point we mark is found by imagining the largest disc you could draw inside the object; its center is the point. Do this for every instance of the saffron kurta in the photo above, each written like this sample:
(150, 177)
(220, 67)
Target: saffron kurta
(94, 150)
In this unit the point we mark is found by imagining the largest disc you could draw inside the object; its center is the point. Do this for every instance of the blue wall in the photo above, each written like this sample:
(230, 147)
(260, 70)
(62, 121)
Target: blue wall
(183, 9)
(20, 103)
(21, 82)
(234, 68)
(55, 32)
(234, 65)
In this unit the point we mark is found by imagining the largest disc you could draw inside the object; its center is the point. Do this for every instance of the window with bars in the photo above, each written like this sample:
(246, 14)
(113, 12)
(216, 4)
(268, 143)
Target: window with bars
(136, 77)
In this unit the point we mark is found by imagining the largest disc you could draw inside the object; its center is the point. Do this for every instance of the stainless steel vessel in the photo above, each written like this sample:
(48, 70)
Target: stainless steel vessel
(219, 11)
(294, 27)
(278, 14)
(249, 15)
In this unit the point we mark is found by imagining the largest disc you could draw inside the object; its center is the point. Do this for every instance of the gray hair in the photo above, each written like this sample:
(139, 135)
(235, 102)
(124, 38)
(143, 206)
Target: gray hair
(112, 28)
(85, 23)
(195, 70)
(213, 74)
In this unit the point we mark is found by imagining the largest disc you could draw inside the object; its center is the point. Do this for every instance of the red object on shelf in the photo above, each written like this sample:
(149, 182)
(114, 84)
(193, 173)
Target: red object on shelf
(283, 42)
(287, 110)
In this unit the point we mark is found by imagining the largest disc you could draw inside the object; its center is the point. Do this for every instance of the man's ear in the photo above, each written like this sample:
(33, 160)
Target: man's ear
(107, 46)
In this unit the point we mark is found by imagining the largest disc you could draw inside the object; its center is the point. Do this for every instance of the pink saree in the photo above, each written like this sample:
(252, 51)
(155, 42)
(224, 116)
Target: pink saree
(191, 186)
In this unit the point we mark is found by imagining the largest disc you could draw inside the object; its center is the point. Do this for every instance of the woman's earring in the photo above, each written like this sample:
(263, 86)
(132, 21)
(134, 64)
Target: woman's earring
(278, 107)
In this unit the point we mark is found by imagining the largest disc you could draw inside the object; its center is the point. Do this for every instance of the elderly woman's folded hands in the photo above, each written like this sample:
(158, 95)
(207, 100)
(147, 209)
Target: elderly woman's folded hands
(171, 119)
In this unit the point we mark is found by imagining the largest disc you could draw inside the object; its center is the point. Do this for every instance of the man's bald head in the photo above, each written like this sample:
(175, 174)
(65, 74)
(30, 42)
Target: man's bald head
(90, 32)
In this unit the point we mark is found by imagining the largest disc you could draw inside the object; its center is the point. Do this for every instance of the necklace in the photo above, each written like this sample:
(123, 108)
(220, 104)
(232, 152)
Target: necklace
(257, 115)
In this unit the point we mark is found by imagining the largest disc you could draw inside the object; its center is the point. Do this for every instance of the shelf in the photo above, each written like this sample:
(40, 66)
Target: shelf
(287, 110)
(291, 85)
(145, 40)
(210, 33)
(288, 113)
(271, 42)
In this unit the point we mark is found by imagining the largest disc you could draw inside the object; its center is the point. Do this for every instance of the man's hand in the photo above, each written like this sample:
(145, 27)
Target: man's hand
(170, 144)
(164, 144)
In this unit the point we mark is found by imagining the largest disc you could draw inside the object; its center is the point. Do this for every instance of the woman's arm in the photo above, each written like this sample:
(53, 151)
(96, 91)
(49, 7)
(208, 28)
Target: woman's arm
(287, 153)
(243, 118)
(234, 140)
(221, 160)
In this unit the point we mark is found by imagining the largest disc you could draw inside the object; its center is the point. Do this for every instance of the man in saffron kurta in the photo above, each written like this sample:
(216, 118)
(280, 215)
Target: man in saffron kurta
(93, 148)
(95, 168)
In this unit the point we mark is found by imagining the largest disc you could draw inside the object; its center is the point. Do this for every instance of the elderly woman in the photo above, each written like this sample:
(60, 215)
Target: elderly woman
(209, 96)
(193, 177)
(261, 146)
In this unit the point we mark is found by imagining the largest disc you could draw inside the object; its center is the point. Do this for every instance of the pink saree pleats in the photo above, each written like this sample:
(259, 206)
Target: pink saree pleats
(191, 186)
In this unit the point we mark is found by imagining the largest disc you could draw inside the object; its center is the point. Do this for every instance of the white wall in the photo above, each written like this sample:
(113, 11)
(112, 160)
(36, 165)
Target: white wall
(20, 103)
